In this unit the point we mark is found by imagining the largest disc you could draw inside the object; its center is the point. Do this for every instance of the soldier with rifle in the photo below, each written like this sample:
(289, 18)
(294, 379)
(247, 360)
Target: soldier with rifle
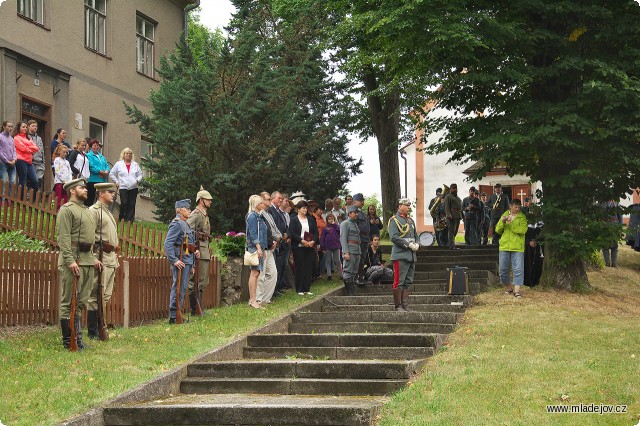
(199, 223)
(105, 246)
(181, 250)
(76, 261)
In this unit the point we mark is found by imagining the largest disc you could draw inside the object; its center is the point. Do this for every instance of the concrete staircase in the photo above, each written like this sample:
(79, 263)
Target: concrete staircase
(335, 363)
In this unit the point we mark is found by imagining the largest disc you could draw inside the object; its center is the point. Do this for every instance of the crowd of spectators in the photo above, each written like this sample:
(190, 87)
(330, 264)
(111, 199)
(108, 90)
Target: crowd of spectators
(298, 241)
(22, 160)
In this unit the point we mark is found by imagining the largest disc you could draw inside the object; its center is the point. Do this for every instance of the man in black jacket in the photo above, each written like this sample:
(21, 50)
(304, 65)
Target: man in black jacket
(281, 250)
(499, 203)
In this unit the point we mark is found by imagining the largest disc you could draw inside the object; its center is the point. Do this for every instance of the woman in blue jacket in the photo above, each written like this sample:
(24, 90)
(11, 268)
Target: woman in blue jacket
(256, 241)
(99, 168)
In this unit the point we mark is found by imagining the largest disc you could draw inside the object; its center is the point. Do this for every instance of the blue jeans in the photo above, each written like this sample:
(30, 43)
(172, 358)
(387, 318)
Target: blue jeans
(513, 260)
(184, 283)
(26, 172)
(8, 174)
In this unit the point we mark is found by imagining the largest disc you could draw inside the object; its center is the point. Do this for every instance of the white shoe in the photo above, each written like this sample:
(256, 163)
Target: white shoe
(309, 293)
(300, 294)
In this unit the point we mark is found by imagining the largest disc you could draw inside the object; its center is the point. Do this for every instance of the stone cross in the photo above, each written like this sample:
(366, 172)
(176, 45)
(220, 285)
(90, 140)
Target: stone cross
(522, 194)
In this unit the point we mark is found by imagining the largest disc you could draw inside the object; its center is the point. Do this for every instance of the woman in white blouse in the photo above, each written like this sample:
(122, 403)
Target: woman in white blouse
(127, 175)
(61, 173)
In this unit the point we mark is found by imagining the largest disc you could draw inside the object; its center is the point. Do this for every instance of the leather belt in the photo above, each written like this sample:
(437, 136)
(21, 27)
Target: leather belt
(83, 247)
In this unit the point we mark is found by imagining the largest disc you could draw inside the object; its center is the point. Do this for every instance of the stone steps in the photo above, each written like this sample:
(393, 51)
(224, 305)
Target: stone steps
(346, 369)
(291, 386)
(331, 363)
(248, 409)
(371, 327)
(390, 307)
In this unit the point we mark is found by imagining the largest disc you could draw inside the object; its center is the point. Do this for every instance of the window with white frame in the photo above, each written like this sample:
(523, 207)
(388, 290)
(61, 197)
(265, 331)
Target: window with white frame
(32, 9)
(96, 130)
(145, 34)
(146, 152)
(95, 17)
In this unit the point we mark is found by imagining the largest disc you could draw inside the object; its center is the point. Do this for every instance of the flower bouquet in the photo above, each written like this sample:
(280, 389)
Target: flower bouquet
(232, 244)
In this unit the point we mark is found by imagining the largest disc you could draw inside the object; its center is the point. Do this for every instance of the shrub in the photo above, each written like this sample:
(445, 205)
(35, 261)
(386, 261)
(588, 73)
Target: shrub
(232, 244)
(16, 240)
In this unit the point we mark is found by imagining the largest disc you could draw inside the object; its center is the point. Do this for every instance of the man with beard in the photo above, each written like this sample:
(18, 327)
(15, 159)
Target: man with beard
(403, 235)
(453, 210)
(76, 230)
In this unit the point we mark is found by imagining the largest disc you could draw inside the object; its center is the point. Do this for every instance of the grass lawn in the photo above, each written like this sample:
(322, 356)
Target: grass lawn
(510, 358)
(43, 384)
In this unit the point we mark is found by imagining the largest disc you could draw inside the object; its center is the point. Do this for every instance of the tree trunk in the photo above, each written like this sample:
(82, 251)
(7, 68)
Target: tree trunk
(572, 277)
(385, 119)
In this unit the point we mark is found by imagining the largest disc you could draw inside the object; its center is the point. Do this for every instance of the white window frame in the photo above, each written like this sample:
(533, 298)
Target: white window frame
(32, 10)
(95, 26)
(101, 125)
(145, 48)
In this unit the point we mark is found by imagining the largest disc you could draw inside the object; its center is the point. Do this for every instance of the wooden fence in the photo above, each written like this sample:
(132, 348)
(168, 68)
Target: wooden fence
(30, 289)
(36, 214)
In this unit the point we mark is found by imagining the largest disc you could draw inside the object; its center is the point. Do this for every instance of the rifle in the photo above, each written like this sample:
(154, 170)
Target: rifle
(73, 342)
(196, 274)
(178, 307)
(102, 327)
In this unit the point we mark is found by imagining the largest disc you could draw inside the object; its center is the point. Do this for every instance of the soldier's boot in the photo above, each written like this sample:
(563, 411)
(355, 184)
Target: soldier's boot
(193, 302)
(81, 344)
(614, 258)
(607, 259)
(66, 333)
(92, 324)
(397, 299)
(405, 299)
(352, 286)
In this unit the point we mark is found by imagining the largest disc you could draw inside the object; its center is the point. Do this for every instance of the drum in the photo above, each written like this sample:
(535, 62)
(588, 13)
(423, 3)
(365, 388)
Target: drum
(426, 239)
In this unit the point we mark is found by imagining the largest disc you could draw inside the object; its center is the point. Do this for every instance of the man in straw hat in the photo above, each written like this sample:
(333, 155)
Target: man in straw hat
(199, 222)
(76, 229)
(403, 235)
(106, 240)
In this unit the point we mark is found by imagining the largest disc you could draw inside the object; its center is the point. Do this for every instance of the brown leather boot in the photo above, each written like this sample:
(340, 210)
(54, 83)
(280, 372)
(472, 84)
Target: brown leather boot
(405, 299)
(397, 299)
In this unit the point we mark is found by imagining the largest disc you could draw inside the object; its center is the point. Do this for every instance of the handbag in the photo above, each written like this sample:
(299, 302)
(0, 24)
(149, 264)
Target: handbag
(251, 259)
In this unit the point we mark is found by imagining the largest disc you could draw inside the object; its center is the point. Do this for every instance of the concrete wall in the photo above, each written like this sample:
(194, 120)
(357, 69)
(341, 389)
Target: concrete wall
(56, 69)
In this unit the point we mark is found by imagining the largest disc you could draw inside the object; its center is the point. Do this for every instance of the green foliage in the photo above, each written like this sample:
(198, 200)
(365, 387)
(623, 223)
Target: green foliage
(557, 84)
(254, 112)
(596, 260)
(16, 240)
(373, 200)
(231, 244)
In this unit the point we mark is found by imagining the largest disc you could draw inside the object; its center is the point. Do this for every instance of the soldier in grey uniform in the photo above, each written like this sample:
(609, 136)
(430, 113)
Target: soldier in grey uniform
(76, 229)
(199, 223)
(351, 250)
(404, 236)
(180, 248)
(106, 238)
(363, 225)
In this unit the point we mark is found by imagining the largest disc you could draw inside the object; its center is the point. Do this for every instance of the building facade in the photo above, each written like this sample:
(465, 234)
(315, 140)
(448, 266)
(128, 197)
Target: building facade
(74, 64)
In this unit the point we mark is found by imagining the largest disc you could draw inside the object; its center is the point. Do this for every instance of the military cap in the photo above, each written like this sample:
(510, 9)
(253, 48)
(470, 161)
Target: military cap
(473, 188)
(352, 208)
(203, 194)
(73, 183)
(438, 191)
(497, 185)
(358, 197)
(186, 204)
(107, 186)
(404, 201)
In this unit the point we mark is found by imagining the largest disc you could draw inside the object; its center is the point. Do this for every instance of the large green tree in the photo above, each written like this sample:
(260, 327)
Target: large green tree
(249, 113)
(551, 88)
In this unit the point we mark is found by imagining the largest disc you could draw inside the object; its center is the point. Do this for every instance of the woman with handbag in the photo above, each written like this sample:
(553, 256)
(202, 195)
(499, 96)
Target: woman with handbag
(304, 238)
(256, 240)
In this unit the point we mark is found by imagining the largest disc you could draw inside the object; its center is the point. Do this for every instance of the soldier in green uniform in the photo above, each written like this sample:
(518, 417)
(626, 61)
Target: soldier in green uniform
(76, 229)
(403, 235)
(106, 238)
(350, 242)
(453, 210)
(199, 222)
